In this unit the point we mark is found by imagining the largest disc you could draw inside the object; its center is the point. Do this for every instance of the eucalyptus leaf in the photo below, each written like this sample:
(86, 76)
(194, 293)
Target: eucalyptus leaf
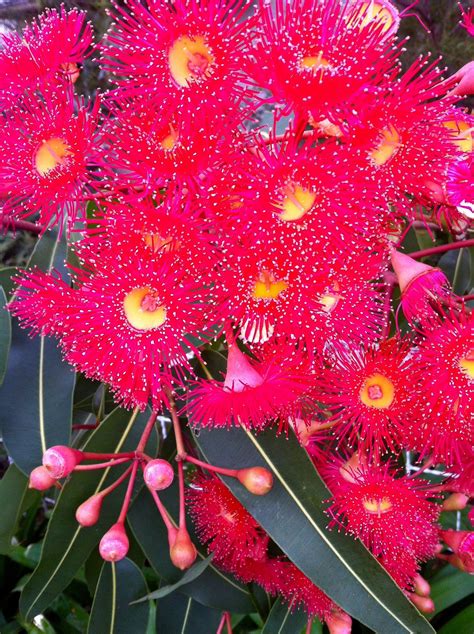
(13, 489)
(283, 619)
(5, 334)
(115, 609)
(177, 614)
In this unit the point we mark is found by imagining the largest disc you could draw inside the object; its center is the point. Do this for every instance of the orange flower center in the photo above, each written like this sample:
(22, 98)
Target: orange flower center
(267, 287)
(467, 364)
(330, 298)
(388, 146)
(377, 391)
(190, 59)
(296, 202)
(461, 135)
(50, 155)
(157, 243)
(377, 506)
(143, 309)
(315, 62)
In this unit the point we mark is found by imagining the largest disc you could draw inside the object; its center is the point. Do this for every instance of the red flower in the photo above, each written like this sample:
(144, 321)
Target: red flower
(47, 52)
(165, 52)
(49, 147)
(443, 373)
(387, 514)
(460, 186)
(126, 324)
(253, 394)
(366, 390)
(316, 56)
(468, 20)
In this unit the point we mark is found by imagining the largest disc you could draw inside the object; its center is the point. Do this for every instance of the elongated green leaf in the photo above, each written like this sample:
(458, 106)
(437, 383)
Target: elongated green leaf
(283, 620)
(67, 545)
(213, 588)
(36, 397)
(462, 623)
(5, 334)
(115, 610)
(450, 586)
(293, 515)
(13, 488)
(177, 614)
(190, 575)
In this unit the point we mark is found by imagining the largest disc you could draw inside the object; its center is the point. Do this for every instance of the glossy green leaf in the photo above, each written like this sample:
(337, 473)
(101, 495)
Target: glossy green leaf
(5, 334)
(284, 620)
(462, 623)
(190, 575)
(36, 397)
(213, 588)
(450, 586)
(293, 515)
(67, 545)
(13, 489)
(115, 610)
(177, 614)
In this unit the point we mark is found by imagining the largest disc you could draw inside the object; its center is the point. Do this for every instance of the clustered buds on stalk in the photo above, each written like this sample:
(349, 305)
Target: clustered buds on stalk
(158, 474)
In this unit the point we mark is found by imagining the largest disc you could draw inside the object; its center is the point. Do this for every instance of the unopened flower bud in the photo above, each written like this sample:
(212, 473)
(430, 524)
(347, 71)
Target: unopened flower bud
(421, 586)
(455, 502)
(257, 480)
(424, 604)
(60, 461)
(183, 553)
(114, 544)
(41, 479)
(87, 514)
(158, 474)
(339, 622)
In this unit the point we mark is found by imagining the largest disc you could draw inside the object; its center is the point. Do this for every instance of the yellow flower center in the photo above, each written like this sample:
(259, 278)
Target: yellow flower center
(388, 146)
(330, 298)
(50, 155)
(370, 12)
(377, 391)
(315, 62)
(462, 135)
(267, 287)
(377, 506)
(143, 309)
(190, 59)
(467, 364)
(297, 201)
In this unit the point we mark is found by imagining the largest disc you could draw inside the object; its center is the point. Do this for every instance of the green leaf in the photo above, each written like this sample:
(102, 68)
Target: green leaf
(213, 588)
(190, 575)
(293, 515)
(5, 334)
(449, 586)
(284, 620)
(177, 614)
(67, 545)
(462, 623)
(115, 609)
(13, 488)
(36, 398)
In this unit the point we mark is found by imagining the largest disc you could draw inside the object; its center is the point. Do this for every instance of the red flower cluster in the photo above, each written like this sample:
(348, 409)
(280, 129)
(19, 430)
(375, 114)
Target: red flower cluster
(196, 224)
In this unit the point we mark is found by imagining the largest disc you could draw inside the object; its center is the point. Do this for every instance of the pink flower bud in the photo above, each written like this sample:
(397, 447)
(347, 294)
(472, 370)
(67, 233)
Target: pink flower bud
(183, 553)
(422, 587)
(114, 544)
(455, 502)
(257, 480)
(462, 544)
(158, 474)
(87, 514)
(424, 604)
(40, 479)
(60, 461)
(339, 622)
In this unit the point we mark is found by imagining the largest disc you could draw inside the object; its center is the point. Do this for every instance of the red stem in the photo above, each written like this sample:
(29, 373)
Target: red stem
(442, 248)
(163, 512)
(112, 456)
(227, 472)
(228, 622)
(117, 482)
(147, 431)
(309, 626)
(180, 449)
(100, 465)
(128, 495)
(467, 298)
(223, 621)
(182, 515)
(85, 426)
(24, 225)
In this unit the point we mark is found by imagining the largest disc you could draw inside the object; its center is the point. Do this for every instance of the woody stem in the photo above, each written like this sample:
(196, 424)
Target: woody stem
(442, 248)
